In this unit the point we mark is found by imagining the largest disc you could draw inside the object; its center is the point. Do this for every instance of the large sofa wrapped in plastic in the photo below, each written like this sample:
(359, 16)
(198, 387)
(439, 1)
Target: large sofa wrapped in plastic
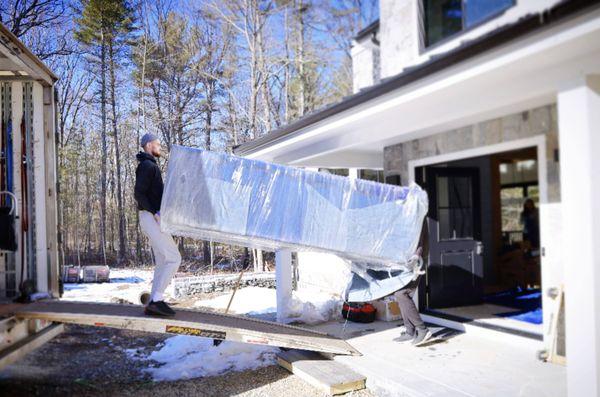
(228, 199)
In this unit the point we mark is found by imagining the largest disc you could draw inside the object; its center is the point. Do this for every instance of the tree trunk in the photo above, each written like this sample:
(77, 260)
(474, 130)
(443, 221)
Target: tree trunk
(120, 212)
(206, 253)
(258, 260)
(286, 71)
(89, 211)
(300, 60)
(104, 153)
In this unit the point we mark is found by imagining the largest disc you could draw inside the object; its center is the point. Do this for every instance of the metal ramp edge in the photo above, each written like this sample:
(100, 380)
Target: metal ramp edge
(186, 322)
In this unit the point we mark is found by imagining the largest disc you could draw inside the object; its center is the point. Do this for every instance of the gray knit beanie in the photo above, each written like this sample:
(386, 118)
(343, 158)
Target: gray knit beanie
(148, 138)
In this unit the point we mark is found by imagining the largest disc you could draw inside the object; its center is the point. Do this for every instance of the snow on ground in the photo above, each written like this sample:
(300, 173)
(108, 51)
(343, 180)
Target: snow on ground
(125, 284)
(306, 306)
(249, 300)
(313, 307)
(185, 357)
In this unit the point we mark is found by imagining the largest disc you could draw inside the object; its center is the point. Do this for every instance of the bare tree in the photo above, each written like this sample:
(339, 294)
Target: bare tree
(39, 23)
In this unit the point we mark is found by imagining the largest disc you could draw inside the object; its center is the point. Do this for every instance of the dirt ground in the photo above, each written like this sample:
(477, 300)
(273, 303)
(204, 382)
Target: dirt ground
(89, 361)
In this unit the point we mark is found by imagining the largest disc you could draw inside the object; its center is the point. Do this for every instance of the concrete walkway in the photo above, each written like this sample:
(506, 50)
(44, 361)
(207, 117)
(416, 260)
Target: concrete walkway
(462, 365)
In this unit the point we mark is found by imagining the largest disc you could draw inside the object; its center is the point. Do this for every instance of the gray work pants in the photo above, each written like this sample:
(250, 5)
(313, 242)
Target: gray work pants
(408, 309)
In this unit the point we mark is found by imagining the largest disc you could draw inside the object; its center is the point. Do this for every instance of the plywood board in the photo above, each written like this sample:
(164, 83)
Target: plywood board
(329, 376)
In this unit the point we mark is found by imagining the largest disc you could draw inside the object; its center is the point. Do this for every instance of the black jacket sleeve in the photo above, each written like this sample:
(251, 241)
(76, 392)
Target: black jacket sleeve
(143, 181)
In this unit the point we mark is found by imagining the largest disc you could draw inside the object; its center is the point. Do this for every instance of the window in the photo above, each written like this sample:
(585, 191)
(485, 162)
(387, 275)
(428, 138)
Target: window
(371, 175)
(512, 198)
(335, 171)
(444, 18)
(455, 207)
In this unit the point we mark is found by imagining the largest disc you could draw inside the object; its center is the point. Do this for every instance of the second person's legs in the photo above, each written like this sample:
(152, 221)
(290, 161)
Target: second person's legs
(409, 312)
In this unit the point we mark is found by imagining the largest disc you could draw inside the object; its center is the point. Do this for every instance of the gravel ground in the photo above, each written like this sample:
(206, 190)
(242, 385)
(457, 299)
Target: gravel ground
(89, 361)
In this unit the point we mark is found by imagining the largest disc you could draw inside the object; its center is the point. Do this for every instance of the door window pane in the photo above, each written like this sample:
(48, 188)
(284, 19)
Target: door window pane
(454, 207)
(445, 224)
(460, 192)
(463, 222)
(443, 201)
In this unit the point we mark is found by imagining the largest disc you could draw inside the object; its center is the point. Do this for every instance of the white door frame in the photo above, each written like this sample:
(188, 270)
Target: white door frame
(537, 141)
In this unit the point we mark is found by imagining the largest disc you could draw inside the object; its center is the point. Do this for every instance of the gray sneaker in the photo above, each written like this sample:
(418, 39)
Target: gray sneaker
(404, 338)
(423, 336)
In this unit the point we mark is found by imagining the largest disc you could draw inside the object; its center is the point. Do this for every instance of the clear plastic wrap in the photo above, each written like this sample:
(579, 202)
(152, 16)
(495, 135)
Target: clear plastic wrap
(233, 200)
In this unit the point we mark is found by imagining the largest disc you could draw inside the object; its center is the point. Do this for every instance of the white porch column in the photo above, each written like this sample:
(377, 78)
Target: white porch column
(353, 173)
(39, 180)
(283, 278)
(579, 138)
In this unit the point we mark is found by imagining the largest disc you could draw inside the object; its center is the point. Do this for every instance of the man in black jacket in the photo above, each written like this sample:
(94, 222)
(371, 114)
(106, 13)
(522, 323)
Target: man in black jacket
(148, 194)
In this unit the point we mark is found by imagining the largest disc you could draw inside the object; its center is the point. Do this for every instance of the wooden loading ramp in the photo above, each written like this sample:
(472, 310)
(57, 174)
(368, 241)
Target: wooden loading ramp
(186, 322)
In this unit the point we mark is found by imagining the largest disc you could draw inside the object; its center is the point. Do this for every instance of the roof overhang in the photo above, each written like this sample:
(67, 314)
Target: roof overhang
(524, 68)
(18, 62)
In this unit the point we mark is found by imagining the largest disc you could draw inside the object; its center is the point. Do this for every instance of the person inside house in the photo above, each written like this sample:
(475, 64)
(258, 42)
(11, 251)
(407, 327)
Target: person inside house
(148, 194)
(531, 224)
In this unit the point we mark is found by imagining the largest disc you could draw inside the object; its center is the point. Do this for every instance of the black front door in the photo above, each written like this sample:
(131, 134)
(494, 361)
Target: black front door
(455, 268)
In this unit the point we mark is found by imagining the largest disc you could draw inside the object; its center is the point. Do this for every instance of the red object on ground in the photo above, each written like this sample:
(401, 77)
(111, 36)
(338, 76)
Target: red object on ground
(359, 312)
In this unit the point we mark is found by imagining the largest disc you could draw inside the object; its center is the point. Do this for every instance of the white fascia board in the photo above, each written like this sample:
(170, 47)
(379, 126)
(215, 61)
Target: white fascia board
(554, 43)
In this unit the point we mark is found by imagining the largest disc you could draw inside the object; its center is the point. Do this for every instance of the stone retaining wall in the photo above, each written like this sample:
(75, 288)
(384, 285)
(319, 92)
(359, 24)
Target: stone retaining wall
(186, 286)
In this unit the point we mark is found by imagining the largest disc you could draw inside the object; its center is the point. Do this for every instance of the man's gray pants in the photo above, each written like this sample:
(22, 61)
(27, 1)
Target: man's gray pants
(166, 255)
(408, 309)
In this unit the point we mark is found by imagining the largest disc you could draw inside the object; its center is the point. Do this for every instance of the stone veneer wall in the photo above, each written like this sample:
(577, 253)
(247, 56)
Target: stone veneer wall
(538, 121)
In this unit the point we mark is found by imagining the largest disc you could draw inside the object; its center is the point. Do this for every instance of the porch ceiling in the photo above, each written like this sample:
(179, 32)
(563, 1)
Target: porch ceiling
(518, 76)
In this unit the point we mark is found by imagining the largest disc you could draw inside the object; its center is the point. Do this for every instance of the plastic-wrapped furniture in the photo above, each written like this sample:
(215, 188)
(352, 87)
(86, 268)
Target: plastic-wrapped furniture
(224, 198)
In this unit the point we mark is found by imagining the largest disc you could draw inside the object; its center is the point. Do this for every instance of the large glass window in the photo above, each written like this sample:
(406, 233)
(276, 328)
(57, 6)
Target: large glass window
(335, 171)
(371, 175)
(443, 18)
(519, 181)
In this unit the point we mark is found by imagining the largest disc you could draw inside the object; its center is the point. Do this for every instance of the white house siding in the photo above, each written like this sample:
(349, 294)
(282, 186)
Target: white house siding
(399, 33)
(365, 64)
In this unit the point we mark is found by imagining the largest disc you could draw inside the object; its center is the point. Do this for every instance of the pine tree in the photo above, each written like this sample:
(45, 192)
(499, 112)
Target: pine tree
(104, 26)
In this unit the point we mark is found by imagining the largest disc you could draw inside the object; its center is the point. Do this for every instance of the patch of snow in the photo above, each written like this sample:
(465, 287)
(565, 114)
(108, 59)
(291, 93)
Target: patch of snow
(306, 306)
(249, 300)
(135, 354)
(313, 307)
(185, 357)
(125, 284)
